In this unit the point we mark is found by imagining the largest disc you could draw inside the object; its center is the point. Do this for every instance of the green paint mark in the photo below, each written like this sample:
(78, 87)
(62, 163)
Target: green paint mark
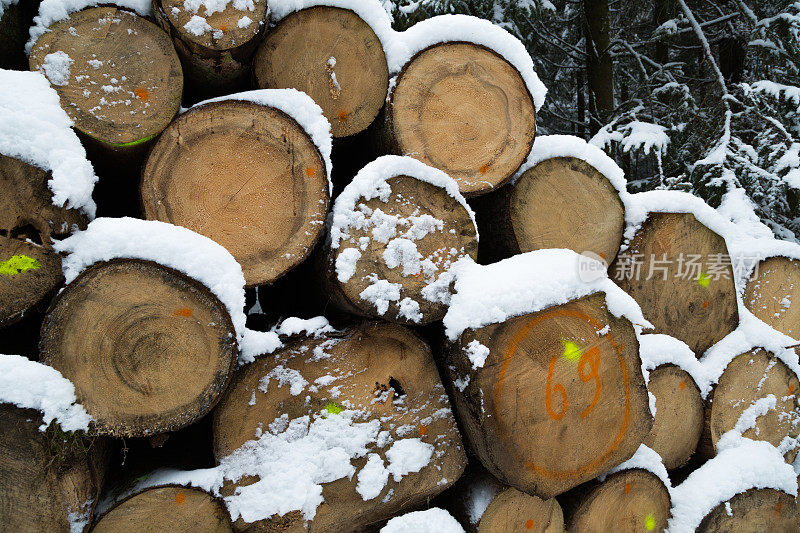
(133, 143)
(703, 280)
(18, 264)
(333, 408)
(571, 350)
(650, 522)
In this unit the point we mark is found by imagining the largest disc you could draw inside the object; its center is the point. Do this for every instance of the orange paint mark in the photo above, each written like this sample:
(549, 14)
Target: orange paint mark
(342, 115)
(682, 385)
(311, 171)
(627, 487)
(183, 312)
(180, 498)
(592, 356)
(602, 255)
(529, 524)
(142, 94)
(484, 169)
(423, 430)
(778, 508)
(705, 304)
(548, 394)
(223, 28)
(791, 388)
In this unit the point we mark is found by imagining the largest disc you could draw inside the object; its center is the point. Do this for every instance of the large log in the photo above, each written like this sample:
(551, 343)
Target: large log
(678, 422)
(117, 74)
(49, 480)
(332, 55)
(148, 348)
(747, 378)
(245, 175)
(560, 397)
(216, 48)
(463, 109)
(753, 511)
(562, 202)
(381, 370)
(679, 272)
(769, 295)
(172, 509)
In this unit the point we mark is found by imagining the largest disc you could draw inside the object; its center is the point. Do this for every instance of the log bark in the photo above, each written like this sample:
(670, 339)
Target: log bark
(752, 511)
(629, 500)
(463, 109)
(679, 272)
(166, 508)
(125, 82)
(148, 349)
(409, 198)
(380, 368)
(46, 476)
(769, 295)
(561, 202)
(245, 175)
(559, 399)
(747, 378)
(678, 422)
(332, 55)
(219, 60)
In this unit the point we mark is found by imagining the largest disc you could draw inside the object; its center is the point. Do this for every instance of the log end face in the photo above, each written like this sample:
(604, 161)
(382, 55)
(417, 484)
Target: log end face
(771, 292)
(753, 510)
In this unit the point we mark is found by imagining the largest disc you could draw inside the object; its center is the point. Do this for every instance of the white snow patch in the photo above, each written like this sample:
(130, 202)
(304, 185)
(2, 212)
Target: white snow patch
(346, 264)
(372, 478)
(657, 349)
(408, 455)
(244, 22)
(434, 520)
(56, 67)
(477, 353)
(197, 26)
(646, 459)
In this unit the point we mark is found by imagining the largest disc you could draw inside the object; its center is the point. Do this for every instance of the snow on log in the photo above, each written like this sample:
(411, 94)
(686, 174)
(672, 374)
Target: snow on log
(432, 520)
(757, 394)
(150, 348)
(370, 395)
(249, 171)
(397, 230)
(117, 73)
(165, 508)
(330, 50)
(680, 272)
(214, 40)
(546, 370)
(50, 471)
(566, 195)
(769, 294)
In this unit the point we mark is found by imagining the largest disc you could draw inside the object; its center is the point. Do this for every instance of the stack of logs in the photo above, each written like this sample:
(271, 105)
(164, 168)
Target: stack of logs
(539, 428)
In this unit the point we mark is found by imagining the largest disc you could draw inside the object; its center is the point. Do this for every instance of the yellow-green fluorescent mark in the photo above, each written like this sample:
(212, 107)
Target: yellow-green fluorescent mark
(650, 522)
(333, 408)
(571, 350)
(703, 280)
(18, 264)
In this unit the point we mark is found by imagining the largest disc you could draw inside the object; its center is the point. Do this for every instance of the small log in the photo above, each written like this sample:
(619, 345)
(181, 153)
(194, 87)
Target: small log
(562, 202)
(148, 349)
(332, 55)
(380, 369)
(217, 61)
(559, 400)
(245, 175)
(463, 109)
(409, 198)
(747, 378)
(676, 270)
(629, 500)
(678, 422)
(771, 293)
(48, 479)
(754, 510)
(120, 79)
(166, 508)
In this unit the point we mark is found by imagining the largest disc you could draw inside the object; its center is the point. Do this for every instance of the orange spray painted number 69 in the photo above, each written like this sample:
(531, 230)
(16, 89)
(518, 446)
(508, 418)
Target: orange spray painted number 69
(590, 357)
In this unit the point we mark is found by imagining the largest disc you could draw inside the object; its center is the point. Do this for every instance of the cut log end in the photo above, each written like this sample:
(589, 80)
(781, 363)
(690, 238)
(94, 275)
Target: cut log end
(169, 508)
(229, 28)
(332, 55)
(464, 109)
(773, 294)
(245, 175)
(125, 332)
(679, 272)
(560, 398)
(117, 74)
(753, 511)
(512, 511)
(678, 421)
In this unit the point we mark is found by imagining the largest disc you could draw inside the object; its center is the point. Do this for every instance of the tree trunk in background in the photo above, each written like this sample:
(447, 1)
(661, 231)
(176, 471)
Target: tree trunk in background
(598, 66)
(662, 12)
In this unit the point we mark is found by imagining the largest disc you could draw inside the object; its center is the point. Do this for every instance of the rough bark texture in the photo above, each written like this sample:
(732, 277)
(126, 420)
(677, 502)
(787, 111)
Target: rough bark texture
(334, 57)
(46, 476)
(463, 109)
(556, 402)
(245, 175)
(753, 511)
(148, 349)
(773, 294)
(380, 368)
(676, 269)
